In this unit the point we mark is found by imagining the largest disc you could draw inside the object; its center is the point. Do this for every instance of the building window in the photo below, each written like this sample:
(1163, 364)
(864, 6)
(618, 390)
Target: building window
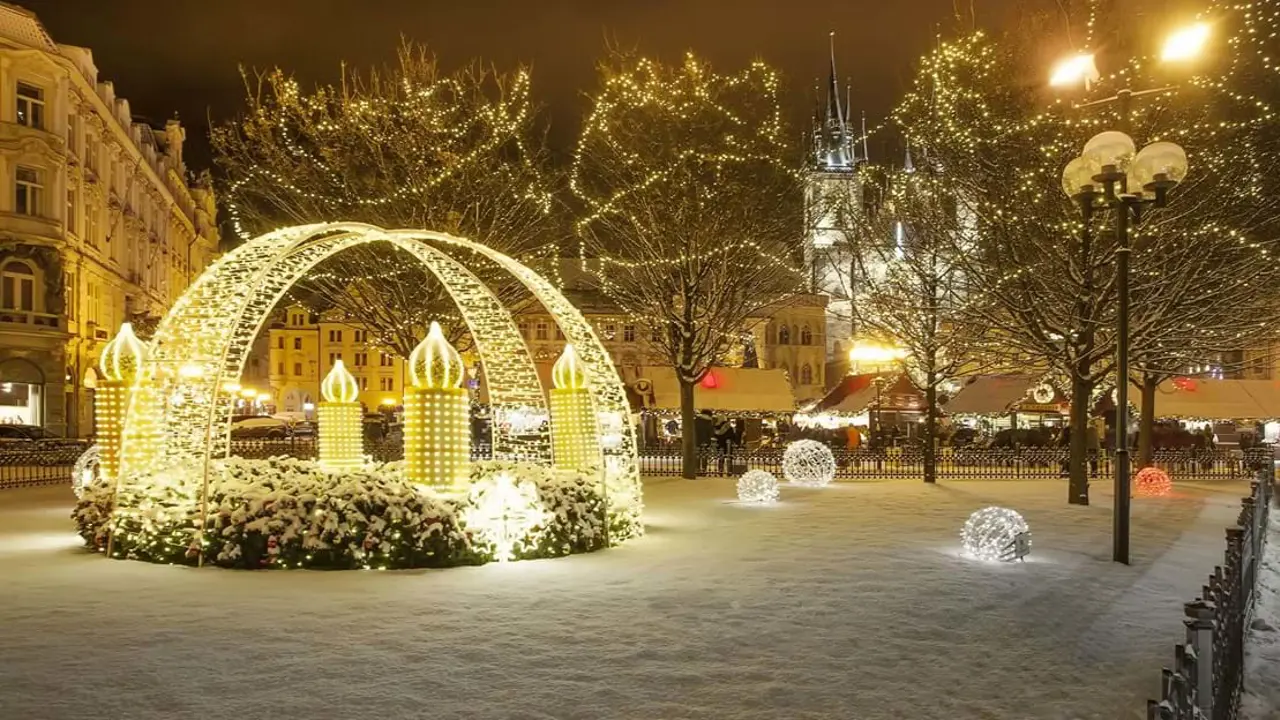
(384, 360)
(72, 295)
(629, 333)
(297, 369)
(610, 331)
(335, 336)
(280, 342)
(784, 335)
(361, 359)
(540, 331)
(806, 336)
(386, 384)
(334, 358)
(653, 335)
(297, 343)
(27, 191)
(30, 106)
(361, 336)
(364, 382)
(19, 286)
(280, 368)
(524, 330)
(71, 211)
(559, 333)
(806, 375)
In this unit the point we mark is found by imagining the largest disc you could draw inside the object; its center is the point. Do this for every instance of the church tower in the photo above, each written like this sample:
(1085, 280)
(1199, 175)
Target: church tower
(833, 192)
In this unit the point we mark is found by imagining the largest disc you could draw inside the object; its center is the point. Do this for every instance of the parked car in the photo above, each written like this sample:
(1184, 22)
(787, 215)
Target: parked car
(259, 428)
(303, 428)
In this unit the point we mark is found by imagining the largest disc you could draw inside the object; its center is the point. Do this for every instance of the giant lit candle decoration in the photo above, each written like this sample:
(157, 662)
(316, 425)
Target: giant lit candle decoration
(575, 444)
(437, 435)
(340, 420)
(119, 363)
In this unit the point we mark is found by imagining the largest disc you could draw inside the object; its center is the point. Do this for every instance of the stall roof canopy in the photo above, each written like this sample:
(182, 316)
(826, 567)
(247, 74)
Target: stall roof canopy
(1213, 399)
(990, 394)
(730, 390)
(855, 393)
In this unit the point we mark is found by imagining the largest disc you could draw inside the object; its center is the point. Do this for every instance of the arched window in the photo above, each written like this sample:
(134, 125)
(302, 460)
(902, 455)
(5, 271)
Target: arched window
(18, 286)
(806, 336)
(784, 335)
(806, 375)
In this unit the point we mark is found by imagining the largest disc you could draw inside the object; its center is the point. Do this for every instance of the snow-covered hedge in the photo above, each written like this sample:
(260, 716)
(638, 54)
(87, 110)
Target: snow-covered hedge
(284, 512)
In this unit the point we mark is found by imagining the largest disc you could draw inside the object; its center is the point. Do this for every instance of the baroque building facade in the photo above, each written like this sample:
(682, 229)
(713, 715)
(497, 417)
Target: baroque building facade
(99, 224)
(302, 346)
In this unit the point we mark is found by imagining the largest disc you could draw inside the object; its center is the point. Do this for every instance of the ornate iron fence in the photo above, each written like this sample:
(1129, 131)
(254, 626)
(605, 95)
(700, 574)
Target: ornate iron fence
(1207, 676)
(48, 464)
(976, 463)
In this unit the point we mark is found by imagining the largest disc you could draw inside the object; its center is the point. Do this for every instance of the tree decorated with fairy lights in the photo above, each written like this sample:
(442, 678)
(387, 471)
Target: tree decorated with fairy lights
(691, 206)
(1044, 281)
(406, 146)
(908, 288)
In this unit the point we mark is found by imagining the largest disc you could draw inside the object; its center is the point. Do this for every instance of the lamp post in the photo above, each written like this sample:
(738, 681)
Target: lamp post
(1109, 175)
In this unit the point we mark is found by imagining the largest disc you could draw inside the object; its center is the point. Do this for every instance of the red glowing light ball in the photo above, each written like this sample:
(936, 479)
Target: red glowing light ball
(1185, 383)
(1152, 482)
(710, 382)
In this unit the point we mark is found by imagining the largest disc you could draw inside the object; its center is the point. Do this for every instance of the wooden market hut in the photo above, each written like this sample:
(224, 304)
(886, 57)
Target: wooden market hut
(1009, 401)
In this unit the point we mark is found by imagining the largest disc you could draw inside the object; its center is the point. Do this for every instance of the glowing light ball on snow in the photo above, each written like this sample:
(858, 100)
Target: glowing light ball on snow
(996, 533)
(86, 469)
(808, 462)
(757, 486)
(1152, 482)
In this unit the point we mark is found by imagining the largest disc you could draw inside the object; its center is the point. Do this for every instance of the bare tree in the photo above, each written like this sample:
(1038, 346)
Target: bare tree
(691, 207)
(909, 287)
(1044, 270)
(409, 146)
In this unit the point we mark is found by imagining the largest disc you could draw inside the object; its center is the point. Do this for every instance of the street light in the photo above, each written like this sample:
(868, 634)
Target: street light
(1075, 70)
(1108, 175)
(1186, 43)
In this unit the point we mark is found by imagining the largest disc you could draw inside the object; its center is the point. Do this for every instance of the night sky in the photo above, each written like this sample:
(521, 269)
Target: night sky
(182, 56)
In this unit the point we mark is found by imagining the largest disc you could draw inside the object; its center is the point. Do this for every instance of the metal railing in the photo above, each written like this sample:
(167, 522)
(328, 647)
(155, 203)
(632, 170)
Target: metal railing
(40, 464)
(976, 463)
(1207, 676)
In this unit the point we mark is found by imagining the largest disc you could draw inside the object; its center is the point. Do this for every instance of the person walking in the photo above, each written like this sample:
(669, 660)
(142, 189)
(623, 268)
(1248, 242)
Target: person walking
(724, 438)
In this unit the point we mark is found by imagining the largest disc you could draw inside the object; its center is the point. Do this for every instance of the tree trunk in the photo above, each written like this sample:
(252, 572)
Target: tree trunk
(1078, 466)
(688, 432)
(1147, 422)
(931, 429)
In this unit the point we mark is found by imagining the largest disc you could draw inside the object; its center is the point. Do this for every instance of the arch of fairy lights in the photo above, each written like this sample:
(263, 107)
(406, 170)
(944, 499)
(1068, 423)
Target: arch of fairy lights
(180, 413)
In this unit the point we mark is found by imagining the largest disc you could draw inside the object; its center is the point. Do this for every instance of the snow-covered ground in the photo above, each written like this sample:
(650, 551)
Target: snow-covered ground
(1262, 643)
(845, 602)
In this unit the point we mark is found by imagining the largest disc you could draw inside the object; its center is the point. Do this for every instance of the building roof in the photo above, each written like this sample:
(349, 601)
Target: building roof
(855, 393)
(1215, 399)
(730, 390)
(991, 394)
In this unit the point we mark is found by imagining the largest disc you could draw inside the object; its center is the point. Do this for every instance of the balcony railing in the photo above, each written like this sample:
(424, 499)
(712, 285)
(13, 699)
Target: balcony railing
(31, 319)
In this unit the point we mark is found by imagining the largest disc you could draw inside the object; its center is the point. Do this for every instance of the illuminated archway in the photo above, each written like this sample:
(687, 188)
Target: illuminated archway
(181, 408)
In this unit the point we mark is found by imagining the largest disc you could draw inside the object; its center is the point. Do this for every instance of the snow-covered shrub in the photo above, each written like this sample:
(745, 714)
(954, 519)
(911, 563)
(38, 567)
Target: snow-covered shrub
(285, 512)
